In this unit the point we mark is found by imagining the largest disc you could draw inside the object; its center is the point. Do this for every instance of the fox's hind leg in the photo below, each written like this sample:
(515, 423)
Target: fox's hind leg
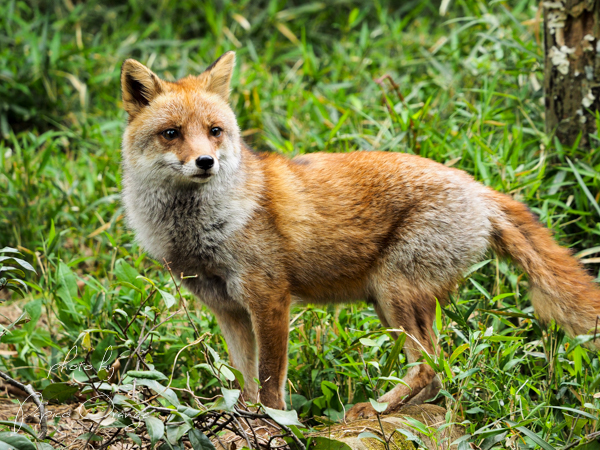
(412, 311)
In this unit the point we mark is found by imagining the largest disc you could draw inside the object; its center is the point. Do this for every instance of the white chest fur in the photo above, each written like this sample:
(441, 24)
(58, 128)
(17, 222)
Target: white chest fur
(191, 227)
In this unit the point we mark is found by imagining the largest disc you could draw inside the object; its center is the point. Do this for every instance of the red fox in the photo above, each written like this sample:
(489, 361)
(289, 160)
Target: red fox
(261, 232)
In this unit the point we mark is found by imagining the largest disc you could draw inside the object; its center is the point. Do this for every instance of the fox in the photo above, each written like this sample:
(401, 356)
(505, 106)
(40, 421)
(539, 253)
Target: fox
(255, 233)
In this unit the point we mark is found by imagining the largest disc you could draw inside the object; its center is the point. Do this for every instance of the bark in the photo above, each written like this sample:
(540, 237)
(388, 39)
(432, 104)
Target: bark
(572, 68)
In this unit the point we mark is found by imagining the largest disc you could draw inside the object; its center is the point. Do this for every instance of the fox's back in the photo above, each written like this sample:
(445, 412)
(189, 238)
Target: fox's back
(347, 215)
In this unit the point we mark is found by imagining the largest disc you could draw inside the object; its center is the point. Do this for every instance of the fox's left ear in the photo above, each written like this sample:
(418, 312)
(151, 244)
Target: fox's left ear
(218, 75)
(139, 86)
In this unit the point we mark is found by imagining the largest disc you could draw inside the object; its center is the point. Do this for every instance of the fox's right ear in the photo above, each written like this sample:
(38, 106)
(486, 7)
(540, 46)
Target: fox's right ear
(139, 86)
(217, 76)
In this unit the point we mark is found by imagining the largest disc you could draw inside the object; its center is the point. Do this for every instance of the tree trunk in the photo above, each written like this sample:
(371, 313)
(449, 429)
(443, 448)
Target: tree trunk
(572, 68)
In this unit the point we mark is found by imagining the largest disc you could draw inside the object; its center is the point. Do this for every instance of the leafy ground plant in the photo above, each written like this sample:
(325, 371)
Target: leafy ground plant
(462, 88)
(111, 374)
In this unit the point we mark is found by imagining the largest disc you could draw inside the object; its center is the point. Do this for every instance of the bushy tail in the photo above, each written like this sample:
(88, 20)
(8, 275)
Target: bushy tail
(560, 287)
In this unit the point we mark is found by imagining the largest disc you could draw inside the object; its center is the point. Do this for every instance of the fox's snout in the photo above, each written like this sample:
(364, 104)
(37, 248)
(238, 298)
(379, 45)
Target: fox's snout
(199, 168)
(198, 157)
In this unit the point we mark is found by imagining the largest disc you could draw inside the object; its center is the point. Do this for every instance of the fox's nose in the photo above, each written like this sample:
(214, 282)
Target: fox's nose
(205, 162)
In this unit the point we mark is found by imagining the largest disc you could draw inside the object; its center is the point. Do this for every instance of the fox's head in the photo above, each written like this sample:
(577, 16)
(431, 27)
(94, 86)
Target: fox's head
(183, 131)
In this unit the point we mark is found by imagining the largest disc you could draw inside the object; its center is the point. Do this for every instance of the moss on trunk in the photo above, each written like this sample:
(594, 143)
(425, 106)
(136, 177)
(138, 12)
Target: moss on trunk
(431, 415)
(572, 68)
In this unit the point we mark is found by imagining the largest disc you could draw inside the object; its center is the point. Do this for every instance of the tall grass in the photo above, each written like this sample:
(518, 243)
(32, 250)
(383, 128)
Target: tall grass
(308, 78)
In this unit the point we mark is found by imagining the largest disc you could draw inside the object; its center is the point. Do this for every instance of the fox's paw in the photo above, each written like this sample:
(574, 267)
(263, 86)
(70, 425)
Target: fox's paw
(360, 411)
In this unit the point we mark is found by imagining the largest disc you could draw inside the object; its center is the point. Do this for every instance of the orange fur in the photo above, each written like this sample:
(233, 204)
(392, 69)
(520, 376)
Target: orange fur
(561, 289)
(260, 231)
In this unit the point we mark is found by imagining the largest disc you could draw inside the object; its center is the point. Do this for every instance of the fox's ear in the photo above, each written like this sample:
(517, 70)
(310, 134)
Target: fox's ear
(218, 75)
(139, 86)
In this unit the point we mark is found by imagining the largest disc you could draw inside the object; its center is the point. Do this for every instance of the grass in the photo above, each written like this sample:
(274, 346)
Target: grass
(468, 95)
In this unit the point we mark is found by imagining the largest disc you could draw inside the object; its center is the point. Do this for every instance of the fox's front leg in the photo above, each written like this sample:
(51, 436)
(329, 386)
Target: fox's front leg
(236, 326)
(270, 319)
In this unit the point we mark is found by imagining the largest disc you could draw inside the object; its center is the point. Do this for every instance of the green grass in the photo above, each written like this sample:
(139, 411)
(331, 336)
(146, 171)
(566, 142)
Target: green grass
(304, 82)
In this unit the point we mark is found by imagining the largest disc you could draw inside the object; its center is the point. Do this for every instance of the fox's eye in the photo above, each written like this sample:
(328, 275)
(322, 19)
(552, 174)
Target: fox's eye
(170, 134)
(216, 131)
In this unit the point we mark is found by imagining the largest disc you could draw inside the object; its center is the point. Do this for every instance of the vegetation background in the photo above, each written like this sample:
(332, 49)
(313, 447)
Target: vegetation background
(468, 94)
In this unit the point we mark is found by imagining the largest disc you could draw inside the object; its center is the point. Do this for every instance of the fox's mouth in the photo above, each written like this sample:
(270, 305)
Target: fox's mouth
(202, 176)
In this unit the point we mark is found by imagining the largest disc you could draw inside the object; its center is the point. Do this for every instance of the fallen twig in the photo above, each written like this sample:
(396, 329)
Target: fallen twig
(35, 396)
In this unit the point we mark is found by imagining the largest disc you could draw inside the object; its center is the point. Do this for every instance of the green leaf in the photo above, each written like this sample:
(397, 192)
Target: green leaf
(24, 264)
(8, 250)
(339, 124)
(19, 426)
(584, 188)
(490, 441)
(323, 443)
(369, 435)
(90, 436)
(200, 441)
(239, 376)
(352, 17)
(51, 234)
(577, 355)
(462, 439)
(17, 272)
(496, 338)
(135, 438)
(480, 288)
(16, 282)
(156, 428)
(168, 298)
(190, 412)
(67, 290)
(534, 437)
(103, 374)
(174, 434)
(127, 273)
(576, 411)
(501, 296)
(379, 407)
(43, 446)
(230, 397)
(476, 267)
(591, 445)
(147, 374)
(297, 432)
(438, 316)
(167, 394)
(86, 341)
(458, 351)
(474, 410)
(393, 356)
(329, 385)
(34, 309)
(417, 425)
(368, 342)
(16, 440)
(411, 437)
(283, 417)
(127, 284)
(60, 392)
(223, 369)
(14, 289)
